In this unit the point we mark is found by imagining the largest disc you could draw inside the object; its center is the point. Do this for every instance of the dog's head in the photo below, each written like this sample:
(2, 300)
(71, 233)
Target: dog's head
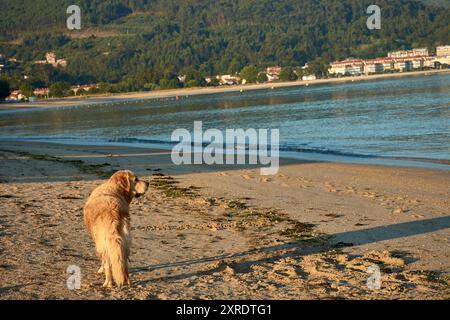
(129, 184)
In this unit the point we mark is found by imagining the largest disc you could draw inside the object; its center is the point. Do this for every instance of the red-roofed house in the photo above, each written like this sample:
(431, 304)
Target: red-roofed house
(350, 66)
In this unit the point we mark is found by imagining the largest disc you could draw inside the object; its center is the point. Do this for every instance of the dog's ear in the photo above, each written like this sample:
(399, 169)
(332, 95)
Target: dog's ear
(122, 180)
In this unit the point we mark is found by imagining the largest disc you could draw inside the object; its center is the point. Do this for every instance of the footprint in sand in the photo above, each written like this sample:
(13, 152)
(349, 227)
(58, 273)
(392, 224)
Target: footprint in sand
(351, 189)
(334, 215)
(331, 187)
(223, 174)
(265, 179)
(400, 210)
(247, 177)
(370, 194)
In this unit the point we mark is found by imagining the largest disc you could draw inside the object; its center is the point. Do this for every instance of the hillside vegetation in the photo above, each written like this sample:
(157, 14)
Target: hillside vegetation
(146, 41)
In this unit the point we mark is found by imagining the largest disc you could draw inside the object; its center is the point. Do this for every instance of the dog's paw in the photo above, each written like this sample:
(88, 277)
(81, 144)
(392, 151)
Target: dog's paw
(100, 270)
(128, 281)
(107, 284)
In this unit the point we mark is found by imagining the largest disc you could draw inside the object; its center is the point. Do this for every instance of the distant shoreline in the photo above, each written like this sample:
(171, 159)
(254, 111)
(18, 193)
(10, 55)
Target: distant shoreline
(183, 92)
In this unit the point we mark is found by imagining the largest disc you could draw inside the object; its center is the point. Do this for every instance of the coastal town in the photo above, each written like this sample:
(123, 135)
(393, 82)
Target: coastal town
(395, 62)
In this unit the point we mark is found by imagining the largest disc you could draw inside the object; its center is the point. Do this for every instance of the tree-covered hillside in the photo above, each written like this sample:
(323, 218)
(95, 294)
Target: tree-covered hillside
(146, 41)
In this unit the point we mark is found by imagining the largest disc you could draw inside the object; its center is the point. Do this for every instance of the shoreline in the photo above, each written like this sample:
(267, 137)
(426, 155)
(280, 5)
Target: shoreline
(288, 156)
(183, 92)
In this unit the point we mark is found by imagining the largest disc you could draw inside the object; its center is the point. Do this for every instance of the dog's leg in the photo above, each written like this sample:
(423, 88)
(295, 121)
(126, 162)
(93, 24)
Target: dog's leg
(127, 257)
(104, 259)
(102, 268)
(127, 277)
(108, 274)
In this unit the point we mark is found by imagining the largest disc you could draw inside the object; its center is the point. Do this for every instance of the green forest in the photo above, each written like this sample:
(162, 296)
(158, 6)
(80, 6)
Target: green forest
(145, 44)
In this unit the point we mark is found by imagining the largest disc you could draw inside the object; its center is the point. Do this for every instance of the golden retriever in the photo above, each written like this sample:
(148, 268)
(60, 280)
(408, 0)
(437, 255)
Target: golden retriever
(107, 218)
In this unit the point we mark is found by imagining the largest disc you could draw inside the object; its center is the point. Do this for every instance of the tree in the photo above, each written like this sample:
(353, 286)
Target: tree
(299, 72)
(287, 74)
(194, 75)
(249, 74)
(214, 82)
(43, 75)
(169, 84)
(150, 86)
(212, 37)
(318, 67)
(235, 66)
(4, 89)
(191, 84)
(26, 89)
(130, 84)
(104, 87)
(59, 89)
(262, 77)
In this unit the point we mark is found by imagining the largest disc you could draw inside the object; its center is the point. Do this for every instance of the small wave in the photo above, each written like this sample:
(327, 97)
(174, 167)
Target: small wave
(325, 151)
(282, 148)
(299, 151)
(141, 141)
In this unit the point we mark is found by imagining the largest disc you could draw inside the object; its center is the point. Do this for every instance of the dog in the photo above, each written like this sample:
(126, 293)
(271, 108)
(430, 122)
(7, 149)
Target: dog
(107, 219)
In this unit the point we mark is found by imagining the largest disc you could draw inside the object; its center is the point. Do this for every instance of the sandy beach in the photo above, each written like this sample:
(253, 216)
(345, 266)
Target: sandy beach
(182, 93)
(314, 231)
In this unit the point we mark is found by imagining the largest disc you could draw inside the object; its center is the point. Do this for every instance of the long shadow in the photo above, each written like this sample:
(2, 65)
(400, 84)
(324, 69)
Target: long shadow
(307, 247)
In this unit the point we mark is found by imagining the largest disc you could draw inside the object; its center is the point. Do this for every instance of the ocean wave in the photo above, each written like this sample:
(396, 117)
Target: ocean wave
(301, 148)
(297, 151)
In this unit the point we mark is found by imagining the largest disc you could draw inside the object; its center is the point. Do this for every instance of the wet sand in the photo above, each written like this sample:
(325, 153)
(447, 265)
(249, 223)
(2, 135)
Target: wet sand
(313, 231)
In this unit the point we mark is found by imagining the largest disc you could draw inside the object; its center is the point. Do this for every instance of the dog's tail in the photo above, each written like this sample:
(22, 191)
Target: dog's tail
(115, 248)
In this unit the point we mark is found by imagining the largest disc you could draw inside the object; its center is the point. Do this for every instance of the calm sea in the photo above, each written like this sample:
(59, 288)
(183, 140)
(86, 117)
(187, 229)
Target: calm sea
(355, 121)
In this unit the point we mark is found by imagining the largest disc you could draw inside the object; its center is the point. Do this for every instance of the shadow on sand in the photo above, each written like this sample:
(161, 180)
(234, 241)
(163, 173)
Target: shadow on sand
(308, 247)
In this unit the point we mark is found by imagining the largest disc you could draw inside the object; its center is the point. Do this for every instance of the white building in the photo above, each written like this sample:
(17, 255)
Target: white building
(309, 78)
(228, 79)
(41, 92)
(272, 77)
(429, 62)
(84, 87)
(350, 66)
(418, 52)
(378, 65)
(417, 63)
(16, 96)
(50, 58)
(403, 64)
(443, 51)
(442, 60)
(273, 73)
